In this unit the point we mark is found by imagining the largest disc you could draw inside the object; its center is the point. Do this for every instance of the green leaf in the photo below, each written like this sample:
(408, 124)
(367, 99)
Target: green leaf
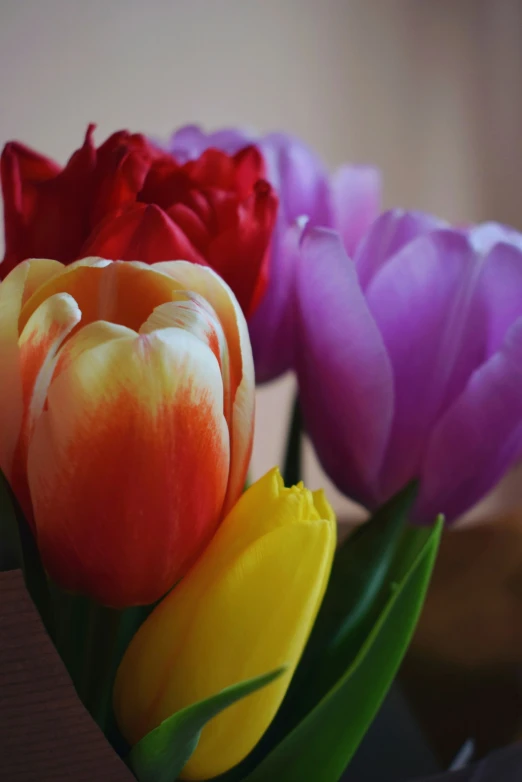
(322, 744)
(356, 594)
(162, 753)
(357, 590)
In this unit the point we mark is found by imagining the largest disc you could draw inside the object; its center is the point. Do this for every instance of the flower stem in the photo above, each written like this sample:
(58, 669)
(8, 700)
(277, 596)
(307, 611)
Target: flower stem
(100, 661)
(292, 470)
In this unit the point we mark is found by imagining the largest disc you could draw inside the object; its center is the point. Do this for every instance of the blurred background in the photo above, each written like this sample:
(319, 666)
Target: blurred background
(428, 91)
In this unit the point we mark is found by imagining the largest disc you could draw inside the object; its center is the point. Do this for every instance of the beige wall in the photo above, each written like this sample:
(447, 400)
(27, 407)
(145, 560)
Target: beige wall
(430, 91)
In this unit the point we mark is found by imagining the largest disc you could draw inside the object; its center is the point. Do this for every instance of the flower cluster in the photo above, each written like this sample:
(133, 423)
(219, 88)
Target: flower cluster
(142, 285)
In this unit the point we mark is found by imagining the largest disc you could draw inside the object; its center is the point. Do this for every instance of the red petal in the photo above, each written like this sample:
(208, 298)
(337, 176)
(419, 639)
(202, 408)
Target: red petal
(250, 168)
(240, 253)
(166, 183)
(191, 225)
(142, 232)
(122, 164)
(212, 169)
(22, 170)
(46, 210)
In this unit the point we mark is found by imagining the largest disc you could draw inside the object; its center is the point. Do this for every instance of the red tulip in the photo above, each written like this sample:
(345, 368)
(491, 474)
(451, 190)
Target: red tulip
(129, 200)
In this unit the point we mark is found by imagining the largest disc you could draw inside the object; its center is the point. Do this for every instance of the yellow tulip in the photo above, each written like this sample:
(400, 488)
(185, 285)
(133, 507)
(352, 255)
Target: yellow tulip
(245, 608)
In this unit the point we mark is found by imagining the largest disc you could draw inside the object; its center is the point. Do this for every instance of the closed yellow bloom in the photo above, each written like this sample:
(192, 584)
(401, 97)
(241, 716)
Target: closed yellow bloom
(245, 608)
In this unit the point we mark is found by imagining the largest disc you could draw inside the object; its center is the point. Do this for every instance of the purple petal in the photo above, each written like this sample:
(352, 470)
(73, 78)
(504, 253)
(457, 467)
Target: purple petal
(478, 438)
(356, 202)
(501, 289)
(272, 326)
(344, 373)
(191, 141)
(299, 176)
(485, 236)
(425, 305)
(388, 234)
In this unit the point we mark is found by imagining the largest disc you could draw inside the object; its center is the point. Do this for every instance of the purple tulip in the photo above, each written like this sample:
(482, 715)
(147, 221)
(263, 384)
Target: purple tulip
(410, 359)
(348, 201)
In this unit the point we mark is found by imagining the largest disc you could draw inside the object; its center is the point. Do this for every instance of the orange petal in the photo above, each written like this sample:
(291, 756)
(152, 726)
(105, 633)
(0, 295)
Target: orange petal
(19, 285)
(242, 384)
(39, 344)
(192, 312)
(128, 465)
(120, 291)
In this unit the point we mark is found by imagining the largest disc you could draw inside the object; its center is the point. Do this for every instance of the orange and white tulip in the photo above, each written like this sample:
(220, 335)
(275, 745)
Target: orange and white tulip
(126, 417)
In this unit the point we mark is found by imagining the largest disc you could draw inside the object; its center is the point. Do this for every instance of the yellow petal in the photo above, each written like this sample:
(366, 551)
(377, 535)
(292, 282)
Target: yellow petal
(246, 607)
(90, 336)
(116, 291)
(322, 506)
(263, 610)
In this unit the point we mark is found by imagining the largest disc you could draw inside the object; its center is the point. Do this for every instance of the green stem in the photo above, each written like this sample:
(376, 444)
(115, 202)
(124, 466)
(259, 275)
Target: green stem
(21, 551)
(10, 544)
(69, 613)
(91, 640)
(292, 470)
(100, 661)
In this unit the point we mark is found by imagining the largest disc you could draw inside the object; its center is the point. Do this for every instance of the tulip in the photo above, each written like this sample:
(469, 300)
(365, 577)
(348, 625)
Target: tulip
(129, 200)
(126, 417)
(348, 201)
(410, 359)
(245, 608)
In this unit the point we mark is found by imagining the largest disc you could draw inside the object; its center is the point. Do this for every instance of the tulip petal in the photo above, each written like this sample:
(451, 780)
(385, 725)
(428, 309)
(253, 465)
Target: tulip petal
(272, 326)
(130, 417)
(260, 630)
(39, 344)
(120, 292)
(140, 232)
(242, 385)
(14, 291)
(425, 303)
(298, 176)
(243, 618)
(190, 141)
(122, 164)
(266, 506)
(345, 377)
(485, 236)
(478, 438)
(89, 336)
(46, 209)
(501, 289)
(356, 198)
(239, 250)
(389, 234)
(193, 313)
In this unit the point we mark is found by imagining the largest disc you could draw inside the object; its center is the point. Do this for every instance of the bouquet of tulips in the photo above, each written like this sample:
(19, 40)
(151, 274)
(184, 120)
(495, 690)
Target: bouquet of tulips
(212, 627)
